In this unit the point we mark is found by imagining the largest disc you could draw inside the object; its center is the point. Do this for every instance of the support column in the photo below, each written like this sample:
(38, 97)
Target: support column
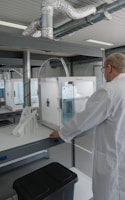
(103, 60)
(26, 78)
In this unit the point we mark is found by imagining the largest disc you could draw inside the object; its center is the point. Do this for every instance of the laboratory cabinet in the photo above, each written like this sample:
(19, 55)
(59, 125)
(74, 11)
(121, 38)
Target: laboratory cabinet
(61, 98)
(14, 93)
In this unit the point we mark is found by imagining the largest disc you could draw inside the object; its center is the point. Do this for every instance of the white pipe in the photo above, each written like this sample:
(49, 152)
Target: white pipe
(16, 71)
(54, 58)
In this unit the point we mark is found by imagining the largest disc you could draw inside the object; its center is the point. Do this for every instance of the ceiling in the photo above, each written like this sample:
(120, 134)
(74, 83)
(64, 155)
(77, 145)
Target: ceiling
(25, 11)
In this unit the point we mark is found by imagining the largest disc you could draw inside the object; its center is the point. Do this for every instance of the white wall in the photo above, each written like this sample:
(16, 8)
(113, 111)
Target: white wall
(89, 69)
(85, 69)
(48, 71)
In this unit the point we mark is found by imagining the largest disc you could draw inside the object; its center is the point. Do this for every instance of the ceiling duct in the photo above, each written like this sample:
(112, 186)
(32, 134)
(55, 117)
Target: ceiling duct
(103, 12)
(33, 28)
(45, 23)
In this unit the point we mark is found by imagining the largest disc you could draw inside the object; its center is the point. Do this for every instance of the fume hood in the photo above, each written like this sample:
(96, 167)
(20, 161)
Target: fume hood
(60, 98)
(14, 93)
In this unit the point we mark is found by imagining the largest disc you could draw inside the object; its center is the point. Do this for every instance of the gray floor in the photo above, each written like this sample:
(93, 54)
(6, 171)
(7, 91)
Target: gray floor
(82, 189)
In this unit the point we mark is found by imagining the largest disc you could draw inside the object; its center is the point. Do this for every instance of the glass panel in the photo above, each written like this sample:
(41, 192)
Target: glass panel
(67, 101)
(2, 89)
(34, 91)
(18, 92)
(74, 97)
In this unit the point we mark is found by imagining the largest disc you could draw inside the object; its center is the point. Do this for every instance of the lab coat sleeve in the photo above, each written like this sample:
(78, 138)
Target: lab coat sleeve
(97, 110)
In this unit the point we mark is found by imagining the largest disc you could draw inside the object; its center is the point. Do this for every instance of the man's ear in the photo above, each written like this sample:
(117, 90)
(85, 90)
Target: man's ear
(109, 68)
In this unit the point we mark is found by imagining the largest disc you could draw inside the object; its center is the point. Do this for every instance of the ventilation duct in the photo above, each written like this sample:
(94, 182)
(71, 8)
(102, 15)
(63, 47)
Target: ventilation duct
(46, 20)
(33, 28)
(103, 12)
(44, 25)
(47, 8)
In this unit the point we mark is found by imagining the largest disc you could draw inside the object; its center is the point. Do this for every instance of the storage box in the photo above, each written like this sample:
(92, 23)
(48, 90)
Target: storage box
(52, 182)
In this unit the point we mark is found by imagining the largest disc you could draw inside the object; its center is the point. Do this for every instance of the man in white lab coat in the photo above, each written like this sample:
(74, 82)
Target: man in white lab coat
(105, 113)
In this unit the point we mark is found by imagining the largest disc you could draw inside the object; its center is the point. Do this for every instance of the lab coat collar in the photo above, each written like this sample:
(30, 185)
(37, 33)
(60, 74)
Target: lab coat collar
(121, 75)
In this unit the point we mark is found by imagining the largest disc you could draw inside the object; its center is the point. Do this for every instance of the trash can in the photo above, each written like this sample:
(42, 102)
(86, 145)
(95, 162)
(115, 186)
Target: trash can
(51, 182)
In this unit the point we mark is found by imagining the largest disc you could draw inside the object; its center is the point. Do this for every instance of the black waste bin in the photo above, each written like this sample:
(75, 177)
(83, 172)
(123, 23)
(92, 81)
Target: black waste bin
(51, 182)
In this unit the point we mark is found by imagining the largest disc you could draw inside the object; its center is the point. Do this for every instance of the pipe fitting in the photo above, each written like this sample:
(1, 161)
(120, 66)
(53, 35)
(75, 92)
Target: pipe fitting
(107, 14)
(32, 28)
(104, 9)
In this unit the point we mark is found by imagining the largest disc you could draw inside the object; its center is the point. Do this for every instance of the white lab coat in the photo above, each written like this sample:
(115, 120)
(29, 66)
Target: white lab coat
(105, 113)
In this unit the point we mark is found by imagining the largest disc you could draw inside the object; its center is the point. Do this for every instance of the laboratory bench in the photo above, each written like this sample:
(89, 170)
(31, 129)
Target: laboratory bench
(15, 150)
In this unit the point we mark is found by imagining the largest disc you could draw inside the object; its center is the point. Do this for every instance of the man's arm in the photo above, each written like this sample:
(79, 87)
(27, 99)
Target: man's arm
(54, 134)
(97, 110)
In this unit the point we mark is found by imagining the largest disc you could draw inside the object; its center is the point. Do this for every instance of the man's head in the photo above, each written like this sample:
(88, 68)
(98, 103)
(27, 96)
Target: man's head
(114, 65)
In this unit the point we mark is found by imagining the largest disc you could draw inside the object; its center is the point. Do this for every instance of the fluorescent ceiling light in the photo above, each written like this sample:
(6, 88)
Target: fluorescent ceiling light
(13, 25)
(99, 42)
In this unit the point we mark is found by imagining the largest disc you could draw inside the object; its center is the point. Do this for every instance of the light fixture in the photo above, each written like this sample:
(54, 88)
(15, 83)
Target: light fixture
(99, 42)
(13, 25)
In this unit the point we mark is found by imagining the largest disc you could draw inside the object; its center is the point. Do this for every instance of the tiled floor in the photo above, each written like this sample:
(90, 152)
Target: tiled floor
(83, 188)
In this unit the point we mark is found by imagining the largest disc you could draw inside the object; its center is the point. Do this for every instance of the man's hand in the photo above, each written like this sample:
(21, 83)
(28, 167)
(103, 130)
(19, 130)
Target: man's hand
(54, 134)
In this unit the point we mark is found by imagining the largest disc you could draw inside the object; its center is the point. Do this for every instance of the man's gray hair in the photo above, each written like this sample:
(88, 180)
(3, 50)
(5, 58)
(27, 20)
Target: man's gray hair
(117, 60)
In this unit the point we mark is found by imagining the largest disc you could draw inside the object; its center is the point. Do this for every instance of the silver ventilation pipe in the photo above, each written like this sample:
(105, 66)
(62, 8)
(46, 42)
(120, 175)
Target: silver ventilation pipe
(47, 9)
(103, 12)
(33, 27)
(45, 22)
(64, 7)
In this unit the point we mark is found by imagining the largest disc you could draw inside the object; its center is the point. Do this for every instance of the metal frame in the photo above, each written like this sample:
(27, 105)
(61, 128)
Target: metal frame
(18, 62)
(21, 43)
(24, 150)
(11, 114)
